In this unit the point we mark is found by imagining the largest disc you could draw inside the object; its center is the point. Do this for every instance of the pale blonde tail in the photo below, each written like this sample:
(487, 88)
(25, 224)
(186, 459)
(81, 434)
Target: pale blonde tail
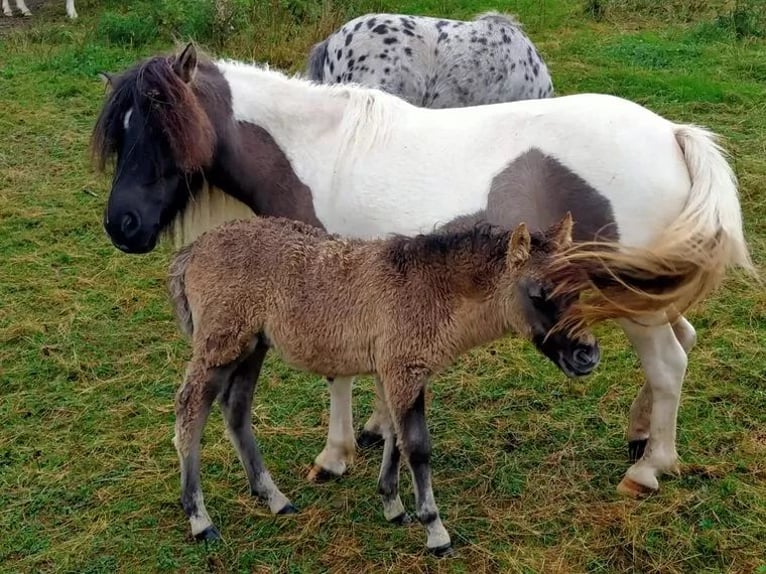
(682, 266)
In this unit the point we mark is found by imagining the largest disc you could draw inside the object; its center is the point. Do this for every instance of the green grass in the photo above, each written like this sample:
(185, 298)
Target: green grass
(526, 462)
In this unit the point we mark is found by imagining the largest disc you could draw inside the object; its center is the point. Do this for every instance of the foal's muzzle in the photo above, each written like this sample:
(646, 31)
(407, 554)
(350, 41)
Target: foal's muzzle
(580, 361)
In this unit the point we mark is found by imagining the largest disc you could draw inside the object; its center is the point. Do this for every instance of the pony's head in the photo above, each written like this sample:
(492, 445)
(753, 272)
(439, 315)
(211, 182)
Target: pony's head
(161, 139)
(536, 309)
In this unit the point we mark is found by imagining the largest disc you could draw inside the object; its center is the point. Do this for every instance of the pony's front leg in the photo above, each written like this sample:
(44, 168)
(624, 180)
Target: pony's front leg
(192, 407)
(23, 8)
(641, 409)
(664, 362)
(70, 10)
(405, 394)
(340, 448)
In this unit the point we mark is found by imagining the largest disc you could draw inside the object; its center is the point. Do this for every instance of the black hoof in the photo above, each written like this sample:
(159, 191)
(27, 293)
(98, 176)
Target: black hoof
(636, 449)
(368, 439)
(402, 520)
(323, 475)
(210, 534)
(288, 509)
(442, 551)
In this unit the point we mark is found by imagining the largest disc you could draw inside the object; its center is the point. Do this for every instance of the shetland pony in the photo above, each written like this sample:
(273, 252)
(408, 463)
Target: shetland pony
(198, 142)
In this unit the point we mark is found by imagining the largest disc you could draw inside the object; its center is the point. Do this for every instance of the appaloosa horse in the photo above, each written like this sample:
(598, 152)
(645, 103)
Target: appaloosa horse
(199, 142)
(433, 62)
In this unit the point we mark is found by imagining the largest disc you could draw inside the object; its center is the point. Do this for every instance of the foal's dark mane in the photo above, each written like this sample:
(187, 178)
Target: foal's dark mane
(164, 100)
(487, 244)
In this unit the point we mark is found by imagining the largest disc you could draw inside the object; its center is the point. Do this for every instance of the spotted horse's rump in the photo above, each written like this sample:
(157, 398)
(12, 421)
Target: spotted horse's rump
(432, 62)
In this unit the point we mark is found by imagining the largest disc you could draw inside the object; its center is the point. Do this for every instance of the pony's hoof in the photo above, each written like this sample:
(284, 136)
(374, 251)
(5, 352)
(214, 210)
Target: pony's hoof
(636, 449)
(319, 474)
(368, 439)
(210, 534)
(403, 519)
(288, 509)
(442, 551)
(633, 489)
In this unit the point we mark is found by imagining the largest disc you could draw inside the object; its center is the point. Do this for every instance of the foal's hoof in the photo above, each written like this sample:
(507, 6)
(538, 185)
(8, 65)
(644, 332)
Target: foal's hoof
(442, 551)
(288, 509)
(320, 474)
(633, 489)
(636, 449)
(210, 534)
(368, 439)
(403, 519)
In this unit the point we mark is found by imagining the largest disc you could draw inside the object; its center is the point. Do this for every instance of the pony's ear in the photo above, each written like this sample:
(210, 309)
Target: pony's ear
(519, 246)
(107, 78)
(561, 232)
(185, 64)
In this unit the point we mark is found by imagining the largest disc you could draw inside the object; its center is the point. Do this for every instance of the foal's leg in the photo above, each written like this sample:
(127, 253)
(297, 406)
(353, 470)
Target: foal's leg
(371, 434)
(236, 399)
(7, 8)
(339, 449)
(641, 409)
(388, 479)
(405, 395)
(193, 402)
(664, 362)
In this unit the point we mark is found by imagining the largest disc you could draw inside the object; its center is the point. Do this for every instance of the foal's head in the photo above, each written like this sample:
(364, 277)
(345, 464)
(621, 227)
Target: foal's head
(154, 126)
(536, 308)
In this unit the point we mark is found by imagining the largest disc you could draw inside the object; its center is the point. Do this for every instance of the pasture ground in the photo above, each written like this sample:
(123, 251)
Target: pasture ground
(525, 461)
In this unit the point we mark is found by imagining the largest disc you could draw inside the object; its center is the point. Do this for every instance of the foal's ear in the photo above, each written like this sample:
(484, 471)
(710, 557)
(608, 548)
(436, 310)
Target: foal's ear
(561, 233)
(185, 64)
(519, 246)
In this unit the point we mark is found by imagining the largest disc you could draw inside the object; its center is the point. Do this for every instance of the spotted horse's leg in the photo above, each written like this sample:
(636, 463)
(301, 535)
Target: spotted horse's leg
(641, 409)
(664, 361)
(339, 449)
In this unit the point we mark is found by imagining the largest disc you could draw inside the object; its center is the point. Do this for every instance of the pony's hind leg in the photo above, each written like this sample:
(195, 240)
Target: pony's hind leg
(339, 449)
(641, 409)
(70, 10)
(23, 8)
(236, 399)
(193, 400)
(388, 479)
(405, 395)
(663, 360)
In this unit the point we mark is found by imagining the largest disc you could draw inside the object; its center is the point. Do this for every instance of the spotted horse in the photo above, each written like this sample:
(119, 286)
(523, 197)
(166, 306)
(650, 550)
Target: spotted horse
(433, 62)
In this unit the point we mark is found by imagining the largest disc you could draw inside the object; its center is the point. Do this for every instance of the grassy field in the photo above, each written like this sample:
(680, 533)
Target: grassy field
(526, 462)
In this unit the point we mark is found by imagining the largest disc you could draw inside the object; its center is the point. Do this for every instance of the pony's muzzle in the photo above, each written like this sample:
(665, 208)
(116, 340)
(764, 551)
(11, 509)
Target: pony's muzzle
(581, 361)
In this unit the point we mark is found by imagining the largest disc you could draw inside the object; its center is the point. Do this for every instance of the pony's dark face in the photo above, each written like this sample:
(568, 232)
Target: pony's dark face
(575, 352)
(161, 140)
(148, 189)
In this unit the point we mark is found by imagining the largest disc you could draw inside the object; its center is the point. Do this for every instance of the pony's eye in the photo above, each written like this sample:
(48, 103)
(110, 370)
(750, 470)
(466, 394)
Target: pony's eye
(537, 293)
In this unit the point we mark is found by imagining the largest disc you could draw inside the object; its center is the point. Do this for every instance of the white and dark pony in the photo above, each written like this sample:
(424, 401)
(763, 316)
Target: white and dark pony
(434, 62)
(22, 7)
(197, 142)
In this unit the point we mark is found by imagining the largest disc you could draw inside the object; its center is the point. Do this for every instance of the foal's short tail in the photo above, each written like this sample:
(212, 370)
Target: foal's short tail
(683, 265)
(317, 57)
(177, 288)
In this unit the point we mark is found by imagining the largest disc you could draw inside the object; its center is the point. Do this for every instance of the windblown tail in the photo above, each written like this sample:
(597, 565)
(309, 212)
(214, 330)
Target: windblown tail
(315, 65)
(177, 288)
(685, 263)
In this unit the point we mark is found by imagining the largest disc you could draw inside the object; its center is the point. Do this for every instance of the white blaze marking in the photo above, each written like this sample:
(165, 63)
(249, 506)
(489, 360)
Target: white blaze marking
(126, 119)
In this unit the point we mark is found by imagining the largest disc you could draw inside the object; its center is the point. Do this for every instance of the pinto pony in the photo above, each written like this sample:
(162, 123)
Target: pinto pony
(433, 62)
(198, 142)
(400, 308)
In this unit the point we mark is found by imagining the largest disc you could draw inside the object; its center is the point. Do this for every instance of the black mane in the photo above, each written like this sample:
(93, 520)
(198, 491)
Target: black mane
(155, 91)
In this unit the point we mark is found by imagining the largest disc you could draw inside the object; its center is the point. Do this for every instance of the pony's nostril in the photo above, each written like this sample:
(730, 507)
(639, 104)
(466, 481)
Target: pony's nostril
(583, 356)
(130, 224)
